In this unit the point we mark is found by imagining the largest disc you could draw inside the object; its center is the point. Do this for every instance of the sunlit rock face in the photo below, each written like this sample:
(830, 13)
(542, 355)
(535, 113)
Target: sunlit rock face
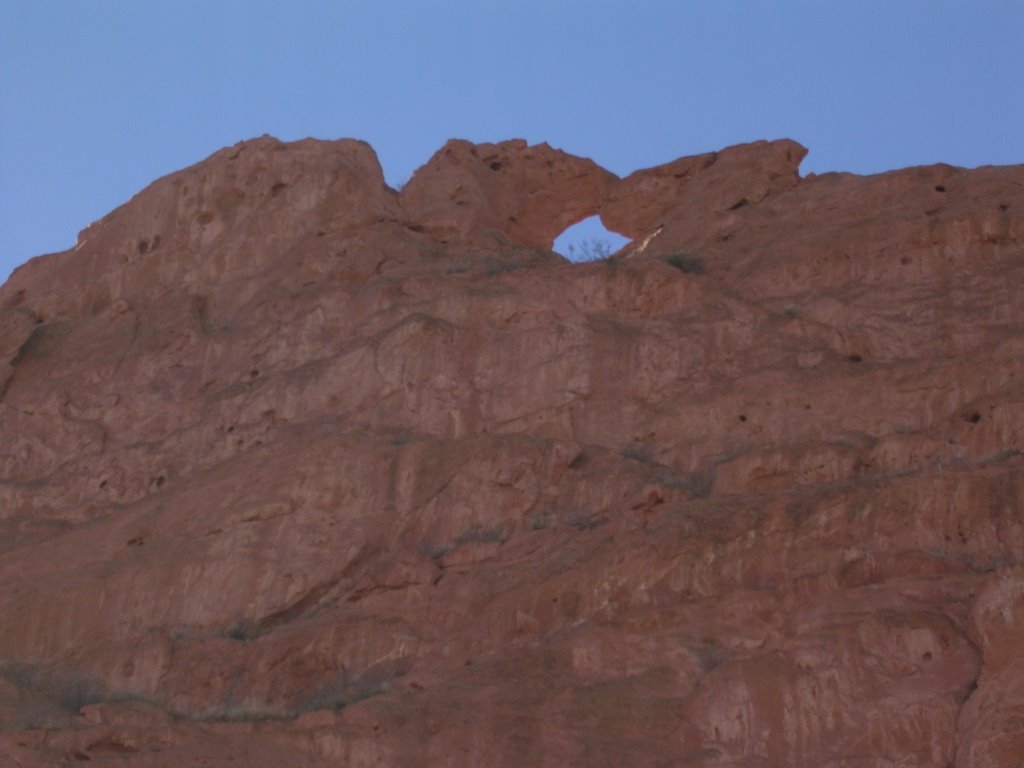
(296, 469)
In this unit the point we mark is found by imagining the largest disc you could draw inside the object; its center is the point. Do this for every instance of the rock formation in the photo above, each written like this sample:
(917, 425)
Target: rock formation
(296, 469)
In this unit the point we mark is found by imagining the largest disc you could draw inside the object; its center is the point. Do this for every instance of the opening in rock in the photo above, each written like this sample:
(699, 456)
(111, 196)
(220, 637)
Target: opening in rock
(588, 241)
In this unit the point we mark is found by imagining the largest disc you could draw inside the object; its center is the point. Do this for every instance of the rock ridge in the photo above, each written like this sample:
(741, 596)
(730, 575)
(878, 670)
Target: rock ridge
(298, 467)
(482, 195)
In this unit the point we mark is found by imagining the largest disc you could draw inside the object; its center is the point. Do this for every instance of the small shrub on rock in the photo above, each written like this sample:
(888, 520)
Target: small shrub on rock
(685, 262)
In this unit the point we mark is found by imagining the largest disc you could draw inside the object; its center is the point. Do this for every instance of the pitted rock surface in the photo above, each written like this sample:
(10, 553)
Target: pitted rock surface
(510, 192)
(692, 190)
(298, 469)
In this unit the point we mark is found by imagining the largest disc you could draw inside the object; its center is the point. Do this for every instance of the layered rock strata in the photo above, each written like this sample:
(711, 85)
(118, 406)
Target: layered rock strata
(298, 469)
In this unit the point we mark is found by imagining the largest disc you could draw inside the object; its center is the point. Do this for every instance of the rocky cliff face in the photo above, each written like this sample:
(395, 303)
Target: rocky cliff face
(296, 469)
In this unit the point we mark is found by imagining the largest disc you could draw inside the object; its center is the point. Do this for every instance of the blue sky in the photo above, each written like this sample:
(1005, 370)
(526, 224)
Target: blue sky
(100, 97)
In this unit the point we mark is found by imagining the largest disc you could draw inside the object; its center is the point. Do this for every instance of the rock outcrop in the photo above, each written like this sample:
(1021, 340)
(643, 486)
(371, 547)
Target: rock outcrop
(507, 193)
(298, 469)
(691, 192)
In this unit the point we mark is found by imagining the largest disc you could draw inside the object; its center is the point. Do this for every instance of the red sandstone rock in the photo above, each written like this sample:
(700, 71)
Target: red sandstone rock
(693, 190)
(323, 474)
(16, 328)
(509, 192)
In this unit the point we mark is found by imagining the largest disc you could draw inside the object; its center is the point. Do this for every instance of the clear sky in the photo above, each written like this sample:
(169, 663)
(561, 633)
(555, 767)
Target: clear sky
(100, 97)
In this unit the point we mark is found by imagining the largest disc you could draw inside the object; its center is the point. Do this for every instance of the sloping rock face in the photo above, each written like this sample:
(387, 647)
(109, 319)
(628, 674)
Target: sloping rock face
(298, 470)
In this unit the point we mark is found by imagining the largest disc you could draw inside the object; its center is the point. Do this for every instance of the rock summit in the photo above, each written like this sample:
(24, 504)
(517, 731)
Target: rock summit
(298, 469)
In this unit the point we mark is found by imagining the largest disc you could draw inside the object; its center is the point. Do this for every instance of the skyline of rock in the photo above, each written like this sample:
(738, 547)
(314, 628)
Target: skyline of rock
(296, 466)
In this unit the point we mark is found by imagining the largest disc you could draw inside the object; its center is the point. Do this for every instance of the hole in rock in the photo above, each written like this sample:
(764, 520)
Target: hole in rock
(940, 188)
(589, 241)
(974, 418)
(855, 358)
(495, 166)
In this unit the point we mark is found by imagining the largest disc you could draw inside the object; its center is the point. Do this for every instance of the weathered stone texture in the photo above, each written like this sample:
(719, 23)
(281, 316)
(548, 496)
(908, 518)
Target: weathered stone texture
(298, 469)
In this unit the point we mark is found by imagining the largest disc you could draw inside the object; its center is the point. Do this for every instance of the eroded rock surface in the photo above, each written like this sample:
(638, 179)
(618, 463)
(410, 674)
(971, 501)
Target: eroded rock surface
(508, 192)
(692, 191)
(296, 469)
